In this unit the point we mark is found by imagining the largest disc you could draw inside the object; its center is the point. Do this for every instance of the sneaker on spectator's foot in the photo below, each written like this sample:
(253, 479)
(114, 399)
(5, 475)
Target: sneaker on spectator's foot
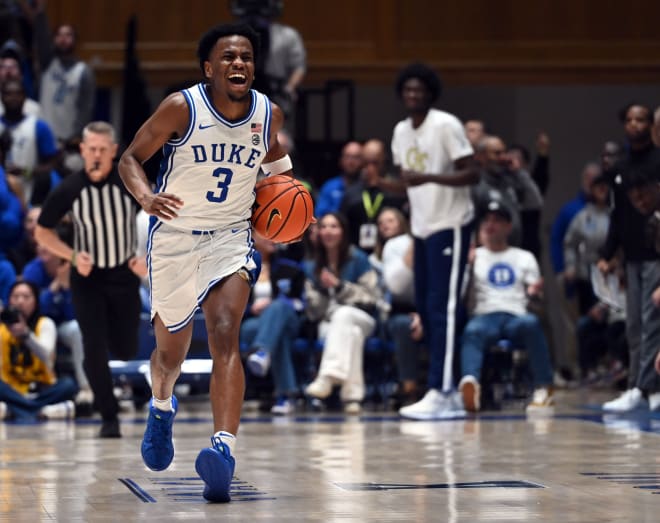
(352, 407)
(471, 393)
(84, 396)
(258, 363)
(110, 429)
(157, 448)
(61, 410)
(3, 410)
(84, 403)
(654, 401)
(627, 401)
(542, 402)
(283, 406)
(215, 465)
(320, 388)
(433, 405)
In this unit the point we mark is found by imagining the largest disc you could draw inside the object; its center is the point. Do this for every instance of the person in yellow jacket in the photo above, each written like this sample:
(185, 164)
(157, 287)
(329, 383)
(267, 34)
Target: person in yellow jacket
(29, 388)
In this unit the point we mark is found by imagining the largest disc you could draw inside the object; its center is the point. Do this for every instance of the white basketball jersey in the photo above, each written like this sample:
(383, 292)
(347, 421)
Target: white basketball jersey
(213, 167)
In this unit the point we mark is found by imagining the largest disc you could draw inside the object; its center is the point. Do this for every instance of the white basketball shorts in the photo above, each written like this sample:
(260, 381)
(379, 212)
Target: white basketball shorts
(184, 265)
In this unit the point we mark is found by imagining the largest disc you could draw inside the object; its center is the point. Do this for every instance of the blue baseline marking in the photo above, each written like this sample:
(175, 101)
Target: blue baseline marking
(142, 494)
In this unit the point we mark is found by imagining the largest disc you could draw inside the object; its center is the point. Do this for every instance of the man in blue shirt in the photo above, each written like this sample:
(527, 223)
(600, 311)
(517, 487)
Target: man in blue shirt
(332, 192)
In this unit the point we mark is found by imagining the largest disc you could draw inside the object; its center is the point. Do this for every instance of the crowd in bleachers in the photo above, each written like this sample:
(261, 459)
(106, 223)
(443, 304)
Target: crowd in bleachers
(333, 320)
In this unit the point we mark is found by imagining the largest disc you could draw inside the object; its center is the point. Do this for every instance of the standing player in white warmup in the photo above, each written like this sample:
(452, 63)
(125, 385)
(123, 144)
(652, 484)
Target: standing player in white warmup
(436, 165)
(215, 137)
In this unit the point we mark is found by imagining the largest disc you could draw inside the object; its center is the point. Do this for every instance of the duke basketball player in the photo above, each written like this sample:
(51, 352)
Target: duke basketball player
(215, 136)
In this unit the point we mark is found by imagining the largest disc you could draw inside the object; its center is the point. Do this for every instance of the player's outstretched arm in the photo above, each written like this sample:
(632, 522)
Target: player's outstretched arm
(169, 120)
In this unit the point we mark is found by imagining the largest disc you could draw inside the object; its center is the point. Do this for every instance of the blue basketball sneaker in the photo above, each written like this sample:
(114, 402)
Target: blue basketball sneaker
(215, 466)
(157, 447)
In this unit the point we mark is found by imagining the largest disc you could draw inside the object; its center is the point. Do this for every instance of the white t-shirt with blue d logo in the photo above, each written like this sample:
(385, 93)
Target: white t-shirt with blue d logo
(501, 279)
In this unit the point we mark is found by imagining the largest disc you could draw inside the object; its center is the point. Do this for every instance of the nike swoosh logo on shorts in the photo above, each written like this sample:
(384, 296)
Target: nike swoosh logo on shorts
(234, 231)
(202, 126)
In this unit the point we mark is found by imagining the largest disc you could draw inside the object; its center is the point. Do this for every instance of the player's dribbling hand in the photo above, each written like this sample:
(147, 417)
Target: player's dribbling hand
(163, 205)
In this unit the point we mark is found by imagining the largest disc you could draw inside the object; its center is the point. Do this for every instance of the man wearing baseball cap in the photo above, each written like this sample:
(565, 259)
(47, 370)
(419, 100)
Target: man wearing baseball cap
(504, 279)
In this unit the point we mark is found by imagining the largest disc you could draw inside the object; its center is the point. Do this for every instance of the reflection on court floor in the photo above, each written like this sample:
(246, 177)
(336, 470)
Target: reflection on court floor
(579, 465)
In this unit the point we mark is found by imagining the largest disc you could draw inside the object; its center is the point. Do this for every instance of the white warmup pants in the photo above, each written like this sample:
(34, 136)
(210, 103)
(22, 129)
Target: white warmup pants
(344, 336)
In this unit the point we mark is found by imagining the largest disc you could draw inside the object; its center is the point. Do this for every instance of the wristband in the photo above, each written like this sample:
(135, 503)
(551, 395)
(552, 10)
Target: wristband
(278, 166)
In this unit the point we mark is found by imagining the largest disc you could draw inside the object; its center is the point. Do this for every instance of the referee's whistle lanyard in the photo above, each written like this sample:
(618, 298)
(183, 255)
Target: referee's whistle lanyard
(371, 206)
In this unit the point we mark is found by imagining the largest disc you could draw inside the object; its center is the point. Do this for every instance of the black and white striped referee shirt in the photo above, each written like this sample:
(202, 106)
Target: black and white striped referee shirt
(103, 217)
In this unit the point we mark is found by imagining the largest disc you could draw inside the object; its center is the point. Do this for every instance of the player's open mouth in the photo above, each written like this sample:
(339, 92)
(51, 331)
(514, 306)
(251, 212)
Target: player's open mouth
(238, 79)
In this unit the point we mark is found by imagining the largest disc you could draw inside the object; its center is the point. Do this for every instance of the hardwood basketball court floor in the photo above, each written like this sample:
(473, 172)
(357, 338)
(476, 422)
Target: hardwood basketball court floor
(580, 465)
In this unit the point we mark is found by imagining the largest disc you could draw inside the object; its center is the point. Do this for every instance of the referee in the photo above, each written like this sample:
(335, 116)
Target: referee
(104, 288)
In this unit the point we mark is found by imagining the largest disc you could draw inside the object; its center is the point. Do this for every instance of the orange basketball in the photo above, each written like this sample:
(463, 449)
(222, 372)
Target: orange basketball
(283, 208)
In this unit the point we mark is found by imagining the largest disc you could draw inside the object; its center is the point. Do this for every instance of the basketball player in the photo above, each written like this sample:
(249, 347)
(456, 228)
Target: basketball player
(435, 159)
(215, 137)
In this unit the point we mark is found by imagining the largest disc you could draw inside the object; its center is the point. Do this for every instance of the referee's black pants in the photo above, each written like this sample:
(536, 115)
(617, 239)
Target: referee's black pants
(107, 306)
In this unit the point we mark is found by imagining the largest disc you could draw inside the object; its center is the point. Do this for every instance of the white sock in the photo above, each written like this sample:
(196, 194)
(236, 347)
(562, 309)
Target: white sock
(227, 438)
(164, 405)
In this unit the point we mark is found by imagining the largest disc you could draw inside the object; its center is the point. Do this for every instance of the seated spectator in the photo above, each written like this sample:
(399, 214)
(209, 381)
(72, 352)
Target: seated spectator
(51, 275)
(332, 191)
(33, 153)
(342, 293)
(26, 250)
(28, 385)
(393, 259)
(10, 69)
(364, 199)
(503, 281)
(273, 321)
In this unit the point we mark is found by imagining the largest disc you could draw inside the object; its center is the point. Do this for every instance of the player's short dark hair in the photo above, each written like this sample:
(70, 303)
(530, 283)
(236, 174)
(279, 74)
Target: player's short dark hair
(623, 112)
(424, 73)
(210, 38)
